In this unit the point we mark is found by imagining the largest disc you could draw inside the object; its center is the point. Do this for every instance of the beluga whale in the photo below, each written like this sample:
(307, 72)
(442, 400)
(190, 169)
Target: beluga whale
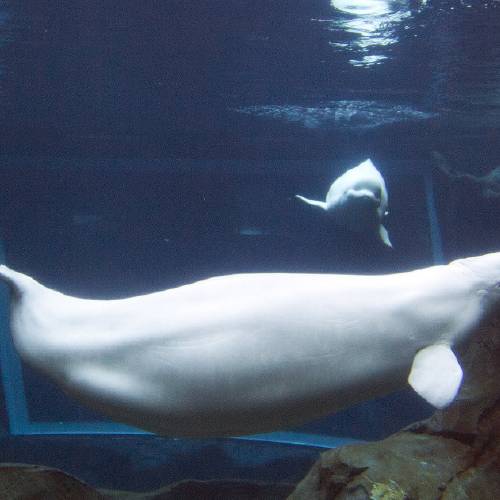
(357, 200)
(250, 353)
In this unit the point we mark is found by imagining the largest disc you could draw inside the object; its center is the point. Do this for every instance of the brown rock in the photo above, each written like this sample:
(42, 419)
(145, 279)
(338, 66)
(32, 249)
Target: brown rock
(33, 482)
(26, 482)
(406, 465)
(211, 490)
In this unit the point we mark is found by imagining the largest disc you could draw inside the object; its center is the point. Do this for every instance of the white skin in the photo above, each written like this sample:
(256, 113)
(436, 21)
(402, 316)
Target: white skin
(251, 353)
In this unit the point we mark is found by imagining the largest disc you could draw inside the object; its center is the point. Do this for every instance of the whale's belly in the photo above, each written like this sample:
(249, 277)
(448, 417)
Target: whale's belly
(268, 366)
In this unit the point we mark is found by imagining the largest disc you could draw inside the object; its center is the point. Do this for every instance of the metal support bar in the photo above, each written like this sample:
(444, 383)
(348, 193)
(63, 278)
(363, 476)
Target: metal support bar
(435, 233)
(10, 367)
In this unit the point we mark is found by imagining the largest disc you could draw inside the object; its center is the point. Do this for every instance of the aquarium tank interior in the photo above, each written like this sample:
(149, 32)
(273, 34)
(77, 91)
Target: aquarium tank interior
(149, 145)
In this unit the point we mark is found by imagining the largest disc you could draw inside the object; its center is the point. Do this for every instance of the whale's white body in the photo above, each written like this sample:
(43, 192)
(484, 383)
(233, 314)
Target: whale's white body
(252, 353)
(358, 200)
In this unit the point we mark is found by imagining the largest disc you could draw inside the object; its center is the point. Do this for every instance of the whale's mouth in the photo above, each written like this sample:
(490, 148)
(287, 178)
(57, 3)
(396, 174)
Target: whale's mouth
(363, 196)
(359, 211)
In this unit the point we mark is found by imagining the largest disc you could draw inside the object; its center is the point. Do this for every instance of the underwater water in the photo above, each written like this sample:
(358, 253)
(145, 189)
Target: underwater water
(146, 145)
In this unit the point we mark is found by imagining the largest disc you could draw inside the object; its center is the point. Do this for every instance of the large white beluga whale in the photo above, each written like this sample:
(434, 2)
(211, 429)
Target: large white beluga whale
(357, 200)
(251, 353)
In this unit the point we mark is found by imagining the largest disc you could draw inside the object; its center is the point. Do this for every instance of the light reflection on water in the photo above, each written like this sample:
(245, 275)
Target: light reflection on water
(369, 26)
(341, 114)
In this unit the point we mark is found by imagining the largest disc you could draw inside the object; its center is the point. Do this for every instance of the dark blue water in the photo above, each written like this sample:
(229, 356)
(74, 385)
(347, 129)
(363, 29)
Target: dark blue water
(148, 144)
(166, 79)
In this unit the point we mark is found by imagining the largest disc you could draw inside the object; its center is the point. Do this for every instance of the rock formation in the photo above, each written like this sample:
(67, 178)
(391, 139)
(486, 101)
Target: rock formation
(24, 482)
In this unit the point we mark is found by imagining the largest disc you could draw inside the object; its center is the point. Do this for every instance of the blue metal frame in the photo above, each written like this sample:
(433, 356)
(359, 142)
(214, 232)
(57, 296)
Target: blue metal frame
(435, 233)
(12, 375)
(15, 397)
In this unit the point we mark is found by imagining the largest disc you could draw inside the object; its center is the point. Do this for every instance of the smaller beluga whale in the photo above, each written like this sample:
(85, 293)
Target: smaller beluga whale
(250, 353)
(357, 200)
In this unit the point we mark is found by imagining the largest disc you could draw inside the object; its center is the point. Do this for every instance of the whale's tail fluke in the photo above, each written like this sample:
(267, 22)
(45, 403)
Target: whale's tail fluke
(315, 203)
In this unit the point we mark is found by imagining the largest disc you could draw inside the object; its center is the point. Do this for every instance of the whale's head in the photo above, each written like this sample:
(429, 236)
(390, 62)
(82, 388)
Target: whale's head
(361, 190)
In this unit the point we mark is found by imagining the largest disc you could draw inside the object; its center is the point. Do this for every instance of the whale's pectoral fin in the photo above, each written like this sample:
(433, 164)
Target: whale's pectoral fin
(384, 235)
(315, 203)
(436, 375)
